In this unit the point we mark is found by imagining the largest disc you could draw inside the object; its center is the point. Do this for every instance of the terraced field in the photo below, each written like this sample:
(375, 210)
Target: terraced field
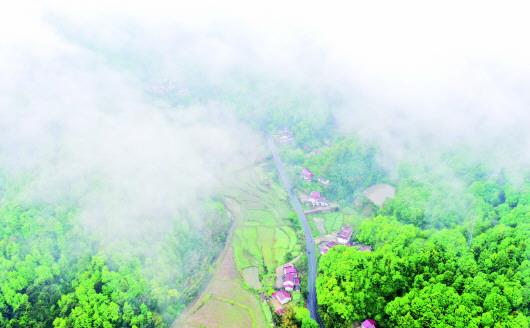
(262, 239)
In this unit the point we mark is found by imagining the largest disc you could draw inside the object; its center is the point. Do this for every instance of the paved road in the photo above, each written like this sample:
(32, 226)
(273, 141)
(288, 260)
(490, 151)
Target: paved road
(309, 242)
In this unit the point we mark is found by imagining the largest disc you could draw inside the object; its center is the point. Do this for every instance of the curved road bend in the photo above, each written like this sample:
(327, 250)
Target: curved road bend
(309, 242)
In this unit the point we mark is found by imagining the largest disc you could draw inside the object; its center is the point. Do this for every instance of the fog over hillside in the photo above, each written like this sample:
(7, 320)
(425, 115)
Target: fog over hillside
(84, 129)
(124, 126)
(76, 101)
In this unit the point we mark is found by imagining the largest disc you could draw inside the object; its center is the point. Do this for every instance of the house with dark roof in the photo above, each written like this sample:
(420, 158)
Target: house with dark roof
(365, 248)
(327, 246)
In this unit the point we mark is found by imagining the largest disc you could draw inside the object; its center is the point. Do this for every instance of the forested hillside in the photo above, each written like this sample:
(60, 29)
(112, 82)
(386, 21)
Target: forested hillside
(140, 185)
(448, 252)
(55, 275)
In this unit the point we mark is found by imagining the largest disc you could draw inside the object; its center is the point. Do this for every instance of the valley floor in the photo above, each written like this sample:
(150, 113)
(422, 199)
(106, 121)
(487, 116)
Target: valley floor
(262, 239)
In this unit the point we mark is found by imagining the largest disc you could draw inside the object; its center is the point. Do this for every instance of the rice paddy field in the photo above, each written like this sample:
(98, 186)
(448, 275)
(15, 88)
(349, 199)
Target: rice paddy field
(262, 239)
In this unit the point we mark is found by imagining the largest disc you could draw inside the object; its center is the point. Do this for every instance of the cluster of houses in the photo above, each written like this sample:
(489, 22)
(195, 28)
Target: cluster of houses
(308, 176)
(315, 198)
(343, 238)
(291, 281)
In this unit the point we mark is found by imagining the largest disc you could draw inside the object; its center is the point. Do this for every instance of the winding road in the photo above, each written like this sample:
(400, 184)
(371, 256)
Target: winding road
(310, 244)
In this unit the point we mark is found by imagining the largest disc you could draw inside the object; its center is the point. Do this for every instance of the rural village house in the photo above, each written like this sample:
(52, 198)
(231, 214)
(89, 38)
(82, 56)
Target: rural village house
(290, 281)
(344, 236)
(307, 175)
(282, 296)
(329, 245)
(316, 199)
(290, 277)
(289, 268)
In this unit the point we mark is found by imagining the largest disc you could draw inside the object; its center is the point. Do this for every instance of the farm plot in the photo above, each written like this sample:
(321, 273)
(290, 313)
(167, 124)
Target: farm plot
(263, 238)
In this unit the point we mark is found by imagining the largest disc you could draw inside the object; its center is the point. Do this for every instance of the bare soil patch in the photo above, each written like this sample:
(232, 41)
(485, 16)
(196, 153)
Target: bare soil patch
(379, 193)
(251, 276)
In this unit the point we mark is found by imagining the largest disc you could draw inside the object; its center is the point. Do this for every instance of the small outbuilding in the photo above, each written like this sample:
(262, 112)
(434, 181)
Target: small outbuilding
(327, 246)
(365, 248)
(307, 175)
(282, 296)
(323, 181)
(368, 323)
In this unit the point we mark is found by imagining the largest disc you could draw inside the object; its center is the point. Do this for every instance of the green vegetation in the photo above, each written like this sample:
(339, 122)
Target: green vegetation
(471, 270)
(55, 275)
(297, 317)
(346, 162)
(266, 237)
(450, 250)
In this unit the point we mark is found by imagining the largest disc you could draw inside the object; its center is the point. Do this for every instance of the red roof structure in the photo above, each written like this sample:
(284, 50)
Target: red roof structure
(289, 268)
(315, 195)
(282, 296)
(307, 175)
(368, 323)
(279, 311)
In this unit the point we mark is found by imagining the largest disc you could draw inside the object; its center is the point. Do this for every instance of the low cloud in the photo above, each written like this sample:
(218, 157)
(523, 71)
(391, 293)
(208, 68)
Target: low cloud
(76, 109)
(84, 129)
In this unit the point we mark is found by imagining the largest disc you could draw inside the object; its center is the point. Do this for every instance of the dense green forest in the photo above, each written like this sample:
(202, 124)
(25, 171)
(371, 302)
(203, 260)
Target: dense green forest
(55, 275)
(137, 187)
(450, 250)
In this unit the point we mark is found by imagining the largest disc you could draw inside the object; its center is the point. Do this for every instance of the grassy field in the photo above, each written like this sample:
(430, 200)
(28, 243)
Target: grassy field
(262, 239)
